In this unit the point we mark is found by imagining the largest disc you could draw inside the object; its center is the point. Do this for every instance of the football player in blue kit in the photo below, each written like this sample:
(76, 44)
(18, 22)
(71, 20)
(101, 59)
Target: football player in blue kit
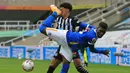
(70, 41)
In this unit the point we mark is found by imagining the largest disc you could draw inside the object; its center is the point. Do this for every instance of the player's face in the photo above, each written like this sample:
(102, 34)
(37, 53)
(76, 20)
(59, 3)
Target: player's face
(100, 32)
(64, 11)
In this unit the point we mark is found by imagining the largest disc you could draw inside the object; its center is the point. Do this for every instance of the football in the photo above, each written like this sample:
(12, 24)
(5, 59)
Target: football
(28, 65)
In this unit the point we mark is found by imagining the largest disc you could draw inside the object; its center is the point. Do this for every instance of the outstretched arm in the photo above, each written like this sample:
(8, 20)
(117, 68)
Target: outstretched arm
(92, 49)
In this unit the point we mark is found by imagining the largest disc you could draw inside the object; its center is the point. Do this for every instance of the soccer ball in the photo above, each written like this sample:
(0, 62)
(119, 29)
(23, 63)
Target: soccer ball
(28, 65)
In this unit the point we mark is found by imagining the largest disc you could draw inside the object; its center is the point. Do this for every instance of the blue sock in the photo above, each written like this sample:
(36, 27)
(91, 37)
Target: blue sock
(48, 21)
(65, 68)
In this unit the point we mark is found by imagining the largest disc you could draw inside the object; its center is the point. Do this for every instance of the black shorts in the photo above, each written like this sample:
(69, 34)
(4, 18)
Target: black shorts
(59, 56)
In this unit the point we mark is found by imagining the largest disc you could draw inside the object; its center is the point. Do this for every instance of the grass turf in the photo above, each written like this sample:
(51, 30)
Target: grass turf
(14, 66)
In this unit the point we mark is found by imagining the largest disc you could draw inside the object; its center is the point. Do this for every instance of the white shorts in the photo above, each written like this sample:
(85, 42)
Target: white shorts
(60, 37)
(66, 52)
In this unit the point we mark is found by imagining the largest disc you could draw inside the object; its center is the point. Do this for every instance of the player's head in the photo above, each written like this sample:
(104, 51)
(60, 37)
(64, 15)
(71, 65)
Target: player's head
(101, 29)
(65, 8)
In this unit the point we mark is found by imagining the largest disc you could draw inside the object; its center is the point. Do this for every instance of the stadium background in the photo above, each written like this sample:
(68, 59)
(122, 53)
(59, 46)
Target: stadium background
(20, 19)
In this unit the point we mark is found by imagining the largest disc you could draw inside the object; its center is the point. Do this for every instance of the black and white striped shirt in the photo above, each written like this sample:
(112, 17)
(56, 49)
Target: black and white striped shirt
(69, 23)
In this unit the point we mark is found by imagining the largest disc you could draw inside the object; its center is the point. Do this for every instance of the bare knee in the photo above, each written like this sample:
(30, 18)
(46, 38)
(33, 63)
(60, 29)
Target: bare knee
(77, 62)
(55, 62)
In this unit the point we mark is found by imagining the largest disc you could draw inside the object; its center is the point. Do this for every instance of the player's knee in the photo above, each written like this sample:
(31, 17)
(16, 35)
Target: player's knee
(77, 62)
(43, 29)
(76, 55)
(58, 57)
(81, 69)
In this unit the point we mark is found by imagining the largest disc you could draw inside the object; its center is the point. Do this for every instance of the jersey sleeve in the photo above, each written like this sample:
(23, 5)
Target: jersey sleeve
(75, 21)
(94, 50)
(91, 26)
(84, 25)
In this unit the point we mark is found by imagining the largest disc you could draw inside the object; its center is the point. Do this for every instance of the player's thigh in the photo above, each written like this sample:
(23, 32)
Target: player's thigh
(57, 35)
(76, 59)
(57, 59)
(57, 55)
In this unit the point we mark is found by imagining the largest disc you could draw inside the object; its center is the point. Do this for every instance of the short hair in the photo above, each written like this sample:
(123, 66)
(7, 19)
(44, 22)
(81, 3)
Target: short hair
(103, 25)
(67, 6)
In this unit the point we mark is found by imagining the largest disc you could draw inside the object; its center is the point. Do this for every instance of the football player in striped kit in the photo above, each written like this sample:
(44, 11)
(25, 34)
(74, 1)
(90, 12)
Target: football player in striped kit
(66, 22)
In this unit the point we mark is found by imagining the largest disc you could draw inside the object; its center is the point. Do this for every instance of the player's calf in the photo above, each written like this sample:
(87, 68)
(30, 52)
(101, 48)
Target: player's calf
(47, 23)
(54, 63)
(50, 69)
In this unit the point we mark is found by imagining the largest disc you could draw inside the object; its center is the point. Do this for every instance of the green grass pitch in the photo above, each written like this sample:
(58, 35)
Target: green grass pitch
(14, 66)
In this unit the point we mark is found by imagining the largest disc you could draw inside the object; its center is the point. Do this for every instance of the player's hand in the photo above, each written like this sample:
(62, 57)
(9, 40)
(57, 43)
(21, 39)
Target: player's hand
(106, 53)
(87, 29)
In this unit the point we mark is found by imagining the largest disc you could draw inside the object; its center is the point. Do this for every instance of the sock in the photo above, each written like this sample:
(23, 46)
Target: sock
(51, 69)
(81, 69)
(65, 68)
(48, 21)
